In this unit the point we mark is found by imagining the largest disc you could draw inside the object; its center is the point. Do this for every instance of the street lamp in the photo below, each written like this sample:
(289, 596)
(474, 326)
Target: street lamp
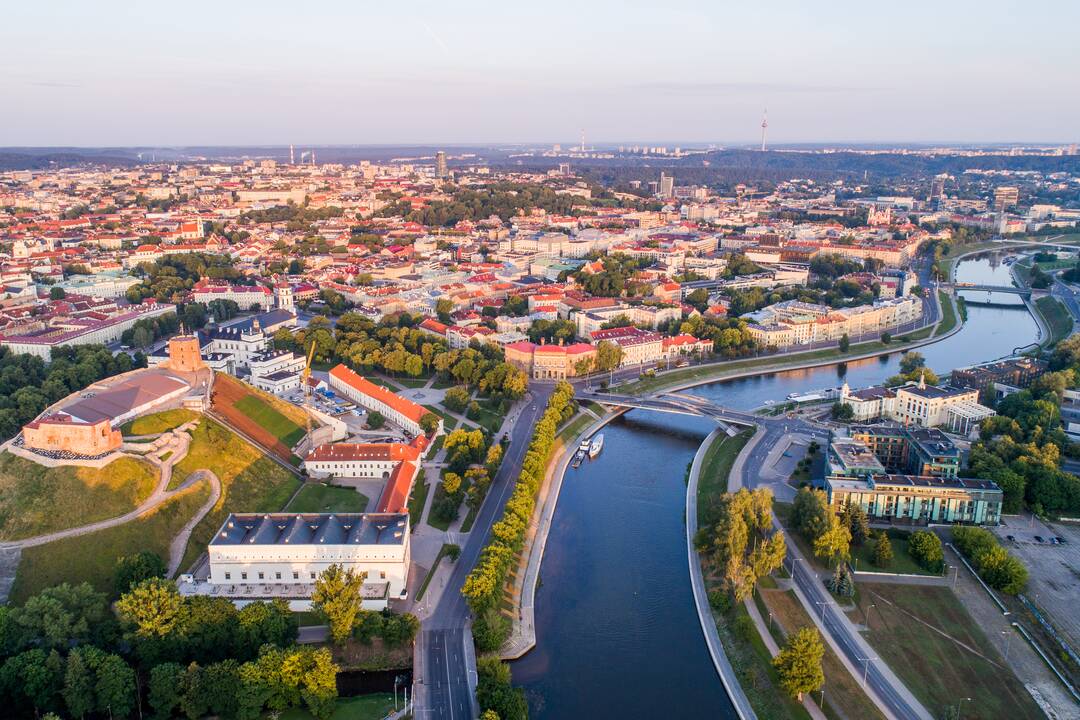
(868, 609)
(960, 705)
(1008, 642)
(822, 606)
(866, 667)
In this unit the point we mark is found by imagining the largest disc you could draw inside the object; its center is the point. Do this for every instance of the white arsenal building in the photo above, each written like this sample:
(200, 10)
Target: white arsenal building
(282, 554)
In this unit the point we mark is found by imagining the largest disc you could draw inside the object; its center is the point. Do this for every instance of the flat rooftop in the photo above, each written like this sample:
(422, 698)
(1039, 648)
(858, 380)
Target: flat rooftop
(313, 529)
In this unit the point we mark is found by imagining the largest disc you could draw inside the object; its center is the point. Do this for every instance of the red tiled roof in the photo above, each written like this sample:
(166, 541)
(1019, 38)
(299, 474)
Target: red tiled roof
(406, 407)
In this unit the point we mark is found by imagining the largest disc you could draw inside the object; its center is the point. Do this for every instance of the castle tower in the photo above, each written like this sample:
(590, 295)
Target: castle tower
(184, 355)
(284, 294)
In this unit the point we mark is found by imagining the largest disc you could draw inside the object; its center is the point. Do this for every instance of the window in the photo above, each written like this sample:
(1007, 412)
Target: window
(382, 575)
(228, 576)
(295, 576)
(312, 576)
(277, 576)
(243, 576)
(261, 576)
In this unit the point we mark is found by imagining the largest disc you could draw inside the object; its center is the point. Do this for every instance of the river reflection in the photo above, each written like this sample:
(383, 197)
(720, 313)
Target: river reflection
(617, 631)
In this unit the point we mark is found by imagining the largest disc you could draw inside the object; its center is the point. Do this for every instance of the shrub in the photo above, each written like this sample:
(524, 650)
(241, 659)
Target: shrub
(925, 547)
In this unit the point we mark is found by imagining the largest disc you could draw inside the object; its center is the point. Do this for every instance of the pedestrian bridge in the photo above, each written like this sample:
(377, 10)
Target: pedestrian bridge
(678, 404)
(1008, 290)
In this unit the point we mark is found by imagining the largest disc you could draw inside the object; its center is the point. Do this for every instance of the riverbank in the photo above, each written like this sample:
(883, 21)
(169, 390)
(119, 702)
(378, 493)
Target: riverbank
(523, 629)
(947, 325)
(720, 660)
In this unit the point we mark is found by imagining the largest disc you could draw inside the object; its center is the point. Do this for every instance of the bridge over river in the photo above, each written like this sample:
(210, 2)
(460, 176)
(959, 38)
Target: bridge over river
(678, 404)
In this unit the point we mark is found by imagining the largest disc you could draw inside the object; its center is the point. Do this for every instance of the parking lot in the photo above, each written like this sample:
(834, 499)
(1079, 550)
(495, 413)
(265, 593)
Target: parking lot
(1054, 569)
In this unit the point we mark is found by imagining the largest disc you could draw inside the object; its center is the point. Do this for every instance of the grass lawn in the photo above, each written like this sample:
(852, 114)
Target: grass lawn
(269, 417)
(862, 557)
(93, 557)
(413, 382)
(361, 707)
(844, 697)
(715, 468)
(948, 314)
(417, 500)
(308, 618)
(753, 666)
(438, 522)
(319, 498)
(440, 384)
(1057, 318)
(488, 419)
(435, 447)
(937, 668)
(431, 572)
(35, 500)
(250, 481)
(158, 422)
(574, 427)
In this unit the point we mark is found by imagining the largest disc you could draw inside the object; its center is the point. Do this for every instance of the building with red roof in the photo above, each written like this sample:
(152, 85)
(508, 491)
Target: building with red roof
(403, 413)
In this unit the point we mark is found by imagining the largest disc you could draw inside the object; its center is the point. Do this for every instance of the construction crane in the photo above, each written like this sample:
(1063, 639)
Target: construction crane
(305, 376)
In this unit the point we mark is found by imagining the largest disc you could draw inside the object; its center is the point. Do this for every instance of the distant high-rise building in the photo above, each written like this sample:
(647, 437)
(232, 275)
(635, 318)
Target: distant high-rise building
(564, 169)
(440, 164)
(667, 185)
(1005, 197)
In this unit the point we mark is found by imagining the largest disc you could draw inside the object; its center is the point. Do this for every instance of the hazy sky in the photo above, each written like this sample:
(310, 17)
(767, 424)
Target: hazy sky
(235, 72)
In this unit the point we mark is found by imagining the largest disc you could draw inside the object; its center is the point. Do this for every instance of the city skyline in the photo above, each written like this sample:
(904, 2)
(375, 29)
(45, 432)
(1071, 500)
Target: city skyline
(124, 76)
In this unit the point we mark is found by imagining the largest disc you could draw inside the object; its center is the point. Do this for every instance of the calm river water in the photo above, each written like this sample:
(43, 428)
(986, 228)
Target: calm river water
(617, 632)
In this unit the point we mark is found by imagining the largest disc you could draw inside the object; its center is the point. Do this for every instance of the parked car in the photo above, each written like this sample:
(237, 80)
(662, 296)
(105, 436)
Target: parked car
(1011, 538)
(1039, 538)
(1061, 540)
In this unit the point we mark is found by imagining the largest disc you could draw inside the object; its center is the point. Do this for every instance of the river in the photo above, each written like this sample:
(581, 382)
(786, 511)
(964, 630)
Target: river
(617, 632)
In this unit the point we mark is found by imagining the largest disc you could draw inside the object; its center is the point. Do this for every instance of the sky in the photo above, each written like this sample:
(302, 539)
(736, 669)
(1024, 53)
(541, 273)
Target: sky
(230, 72)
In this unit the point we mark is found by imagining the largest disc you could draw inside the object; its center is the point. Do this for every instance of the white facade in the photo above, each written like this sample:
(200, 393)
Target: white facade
(292, 549)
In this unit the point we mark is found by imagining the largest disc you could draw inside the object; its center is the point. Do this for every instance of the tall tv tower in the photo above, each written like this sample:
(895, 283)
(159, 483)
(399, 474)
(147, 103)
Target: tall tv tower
(764, 127)
(292, 156)
(582, 139)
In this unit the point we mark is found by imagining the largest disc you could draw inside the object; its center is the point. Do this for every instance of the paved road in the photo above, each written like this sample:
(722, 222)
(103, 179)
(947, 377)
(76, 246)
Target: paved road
(444, 689)
(896, 697)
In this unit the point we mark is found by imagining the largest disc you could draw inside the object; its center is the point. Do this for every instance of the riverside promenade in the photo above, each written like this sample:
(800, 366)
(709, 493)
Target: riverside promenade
(701, 597)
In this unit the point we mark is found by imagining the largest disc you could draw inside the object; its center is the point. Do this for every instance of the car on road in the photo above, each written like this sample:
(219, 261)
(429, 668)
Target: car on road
(1039, 538)
(1061, 540)
(1011, 538)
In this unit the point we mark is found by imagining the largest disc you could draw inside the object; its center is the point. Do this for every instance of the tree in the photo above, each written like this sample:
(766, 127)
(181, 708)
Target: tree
(133, 569)
(115, 686)
(844, 343)
(925, 547)
(64, 614)
(429, 423)
(886, 338)
(456, 399)
(153, 607)
(883, 552)
(375, 420)
(451, 483)
(337, 599)
(857, 522)
(495, 692)
(78, 689)
(443, 308)
(834, 543)
(810, 512)
(57, 293)
(842, 411)
(165, 683)
(608, 355)
(31, 679)
(799, 662)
